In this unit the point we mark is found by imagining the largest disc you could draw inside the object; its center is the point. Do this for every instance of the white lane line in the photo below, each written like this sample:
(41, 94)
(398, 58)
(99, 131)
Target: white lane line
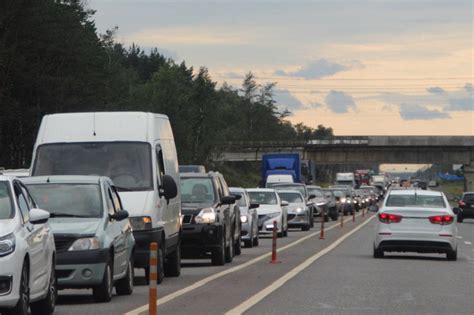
(239, 309)
(467, 243)
(223, 273)
(459, 237)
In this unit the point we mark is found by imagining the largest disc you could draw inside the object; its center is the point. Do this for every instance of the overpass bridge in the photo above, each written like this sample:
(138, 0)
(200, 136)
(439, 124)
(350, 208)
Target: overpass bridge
(365, 149)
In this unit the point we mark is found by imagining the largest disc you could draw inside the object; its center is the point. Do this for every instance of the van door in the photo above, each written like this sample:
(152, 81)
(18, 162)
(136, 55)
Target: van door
(166, 216)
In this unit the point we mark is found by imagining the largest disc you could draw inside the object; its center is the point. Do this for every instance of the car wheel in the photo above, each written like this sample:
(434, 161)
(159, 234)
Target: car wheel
(218, 254)
(238, 246)
(334, 216)
(125, 286)
(378, 253)
(160, 268)
(459, 218)
(249, 243)
(452, 255)
(103, 292)
(255, 240)
(47, 305)
(305, 227)
(21, 308)
(229, 251)
(173, 263)
(285, 232)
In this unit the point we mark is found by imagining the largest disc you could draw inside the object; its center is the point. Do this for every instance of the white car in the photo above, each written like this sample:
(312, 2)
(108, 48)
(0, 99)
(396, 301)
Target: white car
(271, 208)
(27, 253)
(299, 215)
(416, 220)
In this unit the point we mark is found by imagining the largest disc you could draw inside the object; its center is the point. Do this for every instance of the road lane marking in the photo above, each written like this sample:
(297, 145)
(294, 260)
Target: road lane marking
(459, 237)
(252, 301)
(223, 273)
(467, 243)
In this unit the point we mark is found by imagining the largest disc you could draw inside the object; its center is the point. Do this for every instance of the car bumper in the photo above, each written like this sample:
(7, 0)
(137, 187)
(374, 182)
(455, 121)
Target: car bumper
(245, 230)
(198, 239)
(81, 269)
(143, 238)
(10, 274)
(265, 224)
(419, 242)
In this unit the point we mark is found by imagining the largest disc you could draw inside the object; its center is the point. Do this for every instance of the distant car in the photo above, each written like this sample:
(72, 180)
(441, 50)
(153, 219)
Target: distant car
(323, 202)
(271, 209)
(332, 203)
(304, 191)
(92, 232)
(211, 218)
(298, 213)
(418, 221)
(344, 200)
(466, 205)
(248, 217)
(27, 253)
(192, 169)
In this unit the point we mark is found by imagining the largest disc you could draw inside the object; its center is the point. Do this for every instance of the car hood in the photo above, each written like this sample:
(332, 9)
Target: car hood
(264, 209)
(75, 225)
(7, 226)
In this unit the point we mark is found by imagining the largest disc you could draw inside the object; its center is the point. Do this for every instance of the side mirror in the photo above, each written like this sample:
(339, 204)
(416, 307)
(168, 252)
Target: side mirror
(228, 200)
(38, 216)
(456, 210)
(119, 215)
(312, 196)
(169, 189)
(284, 203)
(237, 196)
(254, 206)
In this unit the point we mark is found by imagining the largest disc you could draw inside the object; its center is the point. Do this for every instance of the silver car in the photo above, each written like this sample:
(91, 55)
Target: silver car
(416, 220)
(248, 217)
(298, 212)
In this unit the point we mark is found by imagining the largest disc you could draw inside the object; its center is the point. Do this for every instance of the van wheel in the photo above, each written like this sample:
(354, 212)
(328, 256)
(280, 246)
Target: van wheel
(103, 292)
(173, 263)
(125, 286)
(452, 255)
(21, 308)
(160, 272)
(218, 254)
(229, 250)
(47, 305)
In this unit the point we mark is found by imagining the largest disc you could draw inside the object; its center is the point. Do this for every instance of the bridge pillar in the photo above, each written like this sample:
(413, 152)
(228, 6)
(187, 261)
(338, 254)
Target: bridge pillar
(469, 177)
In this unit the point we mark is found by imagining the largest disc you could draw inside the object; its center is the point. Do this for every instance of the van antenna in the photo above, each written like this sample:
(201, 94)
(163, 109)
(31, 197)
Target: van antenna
(93, 118)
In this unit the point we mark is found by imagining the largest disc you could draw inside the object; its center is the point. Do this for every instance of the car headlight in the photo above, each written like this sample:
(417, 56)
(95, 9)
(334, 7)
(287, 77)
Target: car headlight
(206, 216)
(299, 209)
(343, 200)
(85, 244)
(140, 223)
(367, 199)
(7, 244)
(243, 219)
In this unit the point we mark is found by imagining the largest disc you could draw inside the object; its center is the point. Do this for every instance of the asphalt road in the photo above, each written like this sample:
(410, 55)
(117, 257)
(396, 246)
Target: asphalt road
(346, 280)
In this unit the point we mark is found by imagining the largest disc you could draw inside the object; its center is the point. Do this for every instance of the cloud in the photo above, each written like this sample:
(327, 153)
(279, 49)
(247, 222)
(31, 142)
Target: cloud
(460, 104)
(418, 112)
(468, 87)
(435, 90)
(285, 100)
(339, 102)
(318, 69)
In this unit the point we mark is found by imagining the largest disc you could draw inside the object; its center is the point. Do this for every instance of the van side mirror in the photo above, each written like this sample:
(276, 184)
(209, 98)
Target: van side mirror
(119, 215)
(169, 188)
(254, 206)
(38, 216)
(228, 200)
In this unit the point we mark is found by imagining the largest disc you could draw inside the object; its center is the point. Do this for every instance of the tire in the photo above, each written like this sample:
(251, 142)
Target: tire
(378, 253)
(21, 308)
(452, 255)
(125, 286)
(285, 232)
(459, 218)
(238, 246)
(251, 241)
(334, 216)
(160, 269)
(173, 263)
(218, 254)
(255, 240)
(305, 227)
(103, 292)
(46, 306)
(311, 219)
(229, 250)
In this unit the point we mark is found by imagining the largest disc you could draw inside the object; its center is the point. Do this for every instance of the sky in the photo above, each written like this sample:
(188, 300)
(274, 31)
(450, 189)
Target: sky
(372, 67)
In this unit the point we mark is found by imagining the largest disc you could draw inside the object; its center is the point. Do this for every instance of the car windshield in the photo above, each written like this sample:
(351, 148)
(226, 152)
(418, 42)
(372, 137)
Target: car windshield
(197, 192)
(291, 197)
(298, 188)
(6, 208)
(345, 182)
(128, 164)
(415, 200)
(76, 200)
(315, 191)
(263, 197)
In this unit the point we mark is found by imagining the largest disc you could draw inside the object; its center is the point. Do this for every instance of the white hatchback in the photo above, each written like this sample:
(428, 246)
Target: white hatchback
(27, 253)
(271, 209)
(416, 220)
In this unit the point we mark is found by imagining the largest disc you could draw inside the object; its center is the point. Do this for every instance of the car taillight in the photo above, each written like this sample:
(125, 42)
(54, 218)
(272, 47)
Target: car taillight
(389, 218)
(442, 219)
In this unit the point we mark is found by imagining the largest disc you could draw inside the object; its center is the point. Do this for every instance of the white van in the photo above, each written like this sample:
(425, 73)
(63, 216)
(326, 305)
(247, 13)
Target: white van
(137, 151)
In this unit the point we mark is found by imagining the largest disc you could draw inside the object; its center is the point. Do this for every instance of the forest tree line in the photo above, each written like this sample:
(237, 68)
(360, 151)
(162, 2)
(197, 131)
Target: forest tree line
(53, 60)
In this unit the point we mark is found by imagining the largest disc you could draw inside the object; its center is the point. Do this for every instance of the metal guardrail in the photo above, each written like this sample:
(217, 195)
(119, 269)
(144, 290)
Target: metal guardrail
(297, 143)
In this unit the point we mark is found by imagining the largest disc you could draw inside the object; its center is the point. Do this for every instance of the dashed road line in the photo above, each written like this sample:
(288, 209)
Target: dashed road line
(467, 243)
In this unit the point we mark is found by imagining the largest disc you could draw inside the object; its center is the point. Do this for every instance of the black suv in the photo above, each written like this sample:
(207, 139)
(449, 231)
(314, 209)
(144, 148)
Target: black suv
(466, 205)
(211, 218)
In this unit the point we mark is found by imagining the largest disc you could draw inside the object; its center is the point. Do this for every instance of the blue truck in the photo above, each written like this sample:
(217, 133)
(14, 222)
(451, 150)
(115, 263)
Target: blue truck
(281, 164)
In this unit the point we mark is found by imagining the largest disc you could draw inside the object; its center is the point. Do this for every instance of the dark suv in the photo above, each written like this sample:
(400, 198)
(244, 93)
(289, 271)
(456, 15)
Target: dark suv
(466, 205)
(211, 218)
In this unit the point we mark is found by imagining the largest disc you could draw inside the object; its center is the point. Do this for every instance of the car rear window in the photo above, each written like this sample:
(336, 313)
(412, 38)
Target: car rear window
(263, 197)
(469, 198)
(423, 201)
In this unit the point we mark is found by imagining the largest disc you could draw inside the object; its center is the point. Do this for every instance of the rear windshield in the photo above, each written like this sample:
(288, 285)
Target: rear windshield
(422, 201)
(291, 197)
(197, 191)
(75, 200)
(263, 197)
(6, 209)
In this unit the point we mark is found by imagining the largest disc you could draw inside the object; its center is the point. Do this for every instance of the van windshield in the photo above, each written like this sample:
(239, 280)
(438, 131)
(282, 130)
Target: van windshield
(128, 164)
